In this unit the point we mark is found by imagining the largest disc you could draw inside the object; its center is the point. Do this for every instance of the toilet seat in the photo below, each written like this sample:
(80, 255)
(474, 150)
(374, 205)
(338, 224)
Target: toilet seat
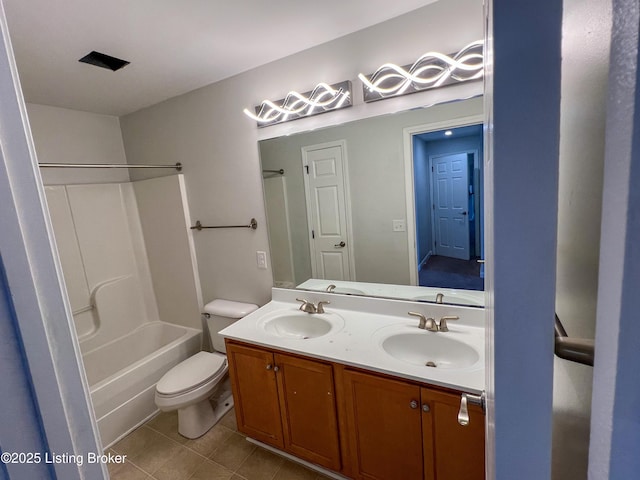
(193, 373)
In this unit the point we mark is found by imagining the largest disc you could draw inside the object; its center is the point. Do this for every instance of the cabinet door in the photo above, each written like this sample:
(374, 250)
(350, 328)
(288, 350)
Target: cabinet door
(255, 393)
(385, 433)
(307, 400)
(457, 451)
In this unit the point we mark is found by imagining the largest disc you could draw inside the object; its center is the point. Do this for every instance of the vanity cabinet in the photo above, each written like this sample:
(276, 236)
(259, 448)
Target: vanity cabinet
(364, 425)
(399, 429)
(286, 401)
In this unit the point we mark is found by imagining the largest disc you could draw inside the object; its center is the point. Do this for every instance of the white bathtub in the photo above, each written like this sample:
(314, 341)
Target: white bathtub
(123, 374)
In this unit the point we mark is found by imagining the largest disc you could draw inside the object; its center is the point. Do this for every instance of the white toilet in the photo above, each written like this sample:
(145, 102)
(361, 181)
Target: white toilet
(188, 386)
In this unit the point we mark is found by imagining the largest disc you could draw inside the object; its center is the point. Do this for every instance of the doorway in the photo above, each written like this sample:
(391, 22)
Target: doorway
(446, 181)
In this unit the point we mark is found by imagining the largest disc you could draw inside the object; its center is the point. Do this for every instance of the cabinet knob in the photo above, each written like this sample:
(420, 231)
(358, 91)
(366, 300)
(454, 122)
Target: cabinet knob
(426, 408)
(269, 366)
(276, 368)
(413, 404)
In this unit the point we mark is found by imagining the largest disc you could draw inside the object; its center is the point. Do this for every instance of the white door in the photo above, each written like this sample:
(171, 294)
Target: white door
(325, 188)
(450, 193)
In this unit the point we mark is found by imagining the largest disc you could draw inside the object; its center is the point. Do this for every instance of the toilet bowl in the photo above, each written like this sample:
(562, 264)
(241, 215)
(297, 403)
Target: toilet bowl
(199, 388)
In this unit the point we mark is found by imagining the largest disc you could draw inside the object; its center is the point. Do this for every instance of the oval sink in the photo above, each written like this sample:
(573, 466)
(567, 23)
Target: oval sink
(347, 290)
(301, 325)
(431, 350)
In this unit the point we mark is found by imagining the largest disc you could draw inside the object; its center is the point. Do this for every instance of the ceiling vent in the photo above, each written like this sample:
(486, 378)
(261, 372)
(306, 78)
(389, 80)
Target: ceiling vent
(105, 61)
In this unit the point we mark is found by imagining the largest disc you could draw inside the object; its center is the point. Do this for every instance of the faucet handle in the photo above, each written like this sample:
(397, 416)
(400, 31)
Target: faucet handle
(306, 306)
(320, 307)
(442, 326)
(423, 319)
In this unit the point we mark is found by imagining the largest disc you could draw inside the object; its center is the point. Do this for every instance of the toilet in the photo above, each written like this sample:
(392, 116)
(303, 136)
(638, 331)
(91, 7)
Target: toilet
(199, 387)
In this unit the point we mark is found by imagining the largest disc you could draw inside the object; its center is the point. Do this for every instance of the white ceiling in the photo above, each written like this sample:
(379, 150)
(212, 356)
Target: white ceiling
(174, 46)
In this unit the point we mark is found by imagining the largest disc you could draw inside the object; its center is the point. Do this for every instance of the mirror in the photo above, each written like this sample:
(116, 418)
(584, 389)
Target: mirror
(388, 206)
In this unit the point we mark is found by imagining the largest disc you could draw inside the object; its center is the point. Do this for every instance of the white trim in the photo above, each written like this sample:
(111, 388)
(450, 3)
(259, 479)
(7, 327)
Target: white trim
(34, 276)
(407, 137)
(342, 144)
(424, 261)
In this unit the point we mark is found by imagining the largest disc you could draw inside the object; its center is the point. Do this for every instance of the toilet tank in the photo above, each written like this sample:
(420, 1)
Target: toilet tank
(221, 314)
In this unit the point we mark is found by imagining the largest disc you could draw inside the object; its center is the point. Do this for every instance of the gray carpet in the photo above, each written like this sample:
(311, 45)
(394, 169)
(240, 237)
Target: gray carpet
(448, 272)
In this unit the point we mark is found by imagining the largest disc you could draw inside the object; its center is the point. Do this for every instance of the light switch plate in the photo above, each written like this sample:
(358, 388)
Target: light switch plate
(399, 226)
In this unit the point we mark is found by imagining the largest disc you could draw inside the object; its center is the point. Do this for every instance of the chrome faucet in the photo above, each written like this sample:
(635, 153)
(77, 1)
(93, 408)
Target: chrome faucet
(428, 324)
(331, 288)
(439, 298)
(442, 326)
(309, 307)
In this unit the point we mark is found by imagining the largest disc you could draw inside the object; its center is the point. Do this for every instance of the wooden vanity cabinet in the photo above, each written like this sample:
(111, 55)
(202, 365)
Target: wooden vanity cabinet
(384, 430)
(286, 401)
(364, 425)
(399, 429)
(457, 451)
(256, 396)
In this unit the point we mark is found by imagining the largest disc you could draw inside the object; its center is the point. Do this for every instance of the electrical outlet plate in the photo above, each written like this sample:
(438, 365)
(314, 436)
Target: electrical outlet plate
(261, 260)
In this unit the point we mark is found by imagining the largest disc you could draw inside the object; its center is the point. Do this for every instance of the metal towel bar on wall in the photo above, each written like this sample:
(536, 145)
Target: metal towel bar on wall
(253, 224)
(579, 350)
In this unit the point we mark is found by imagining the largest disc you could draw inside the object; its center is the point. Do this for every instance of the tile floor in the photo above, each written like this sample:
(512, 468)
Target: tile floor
(155, 451)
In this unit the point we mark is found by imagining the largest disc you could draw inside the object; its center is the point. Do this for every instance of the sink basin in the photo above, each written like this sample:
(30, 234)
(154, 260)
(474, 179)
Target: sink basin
(348, 291)
(301, 325)
(430, 349)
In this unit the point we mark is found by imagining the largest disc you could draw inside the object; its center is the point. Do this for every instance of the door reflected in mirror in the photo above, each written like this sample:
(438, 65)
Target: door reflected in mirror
(387, 206)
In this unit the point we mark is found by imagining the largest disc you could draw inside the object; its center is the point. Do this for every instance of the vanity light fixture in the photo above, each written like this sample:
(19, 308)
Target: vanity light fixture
(431, 70)
(323, 98)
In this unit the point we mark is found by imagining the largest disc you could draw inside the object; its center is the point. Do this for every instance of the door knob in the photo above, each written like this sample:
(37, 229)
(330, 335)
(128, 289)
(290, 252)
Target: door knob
(341, 244)
(464, 213)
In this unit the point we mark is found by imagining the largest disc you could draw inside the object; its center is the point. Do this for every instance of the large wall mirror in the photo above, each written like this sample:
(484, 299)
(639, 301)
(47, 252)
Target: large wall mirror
(388, 206)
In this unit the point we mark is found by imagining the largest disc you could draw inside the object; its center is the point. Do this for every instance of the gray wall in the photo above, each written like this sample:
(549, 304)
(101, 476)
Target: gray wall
(375, 157)
(422, 195)
(586, 41)
(70, 136)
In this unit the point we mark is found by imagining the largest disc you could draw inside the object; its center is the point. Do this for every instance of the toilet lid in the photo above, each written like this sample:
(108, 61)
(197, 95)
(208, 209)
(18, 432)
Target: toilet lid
(191, 373)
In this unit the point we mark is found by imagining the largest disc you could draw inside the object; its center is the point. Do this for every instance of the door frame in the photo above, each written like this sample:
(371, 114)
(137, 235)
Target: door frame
(475, 206)
(407, 139)
(342, 144)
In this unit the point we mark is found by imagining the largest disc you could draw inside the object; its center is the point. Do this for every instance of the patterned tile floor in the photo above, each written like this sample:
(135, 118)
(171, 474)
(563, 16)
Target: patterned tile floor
(155, 451)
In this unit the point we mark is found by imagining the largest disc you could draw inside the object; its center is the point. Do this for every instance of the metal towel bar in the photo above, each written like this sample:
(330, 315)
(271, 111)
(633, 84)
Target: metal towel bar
(253, 224)
(177, 166)
(580, 350)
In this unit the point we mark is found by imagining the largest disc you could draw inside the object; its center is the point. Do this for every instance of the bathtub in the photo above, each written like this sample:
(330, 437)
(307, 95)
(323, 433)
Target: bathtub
(123, 373)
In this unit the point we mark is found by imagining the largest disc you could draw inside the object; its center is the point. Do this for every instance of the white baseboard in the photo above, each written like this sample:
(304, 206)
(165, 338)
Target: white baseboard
(425, 260)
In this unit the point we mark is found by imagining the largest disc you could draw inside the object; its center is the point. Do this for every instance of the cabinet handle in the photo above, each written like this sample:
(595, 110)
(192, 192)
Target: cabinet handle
(276, 368)
(463, 413)
(269, 366)
(413, 404)
(426, 408)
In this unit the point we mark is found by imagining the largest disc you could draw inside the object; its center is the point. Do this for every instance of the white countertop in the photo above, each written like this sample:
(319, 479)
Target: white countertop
(367, 322)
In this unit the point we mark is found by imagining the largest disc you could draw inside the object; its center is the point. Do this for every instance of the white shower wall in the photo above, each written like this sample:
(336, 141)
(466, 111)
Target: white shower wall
(103, 254)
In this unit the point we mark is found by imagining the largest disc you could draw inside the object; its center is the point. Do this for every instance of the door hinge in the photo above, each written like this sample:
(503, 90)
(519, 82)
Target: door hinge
(432, 168)
(306, 167)
(313, 234)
